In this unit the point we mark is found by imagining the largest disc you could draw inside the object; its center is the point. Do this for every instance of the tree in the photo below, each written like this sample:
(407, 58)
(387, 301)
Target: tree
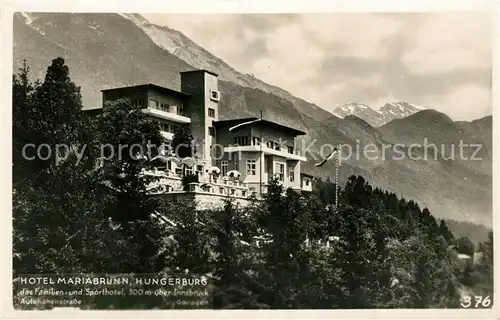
(231, 281)
(484, 269)
(22, 123)
(71, 215)
(182, 143)
(57, 218)
(445, 232)
(464, 245)
(126, 132)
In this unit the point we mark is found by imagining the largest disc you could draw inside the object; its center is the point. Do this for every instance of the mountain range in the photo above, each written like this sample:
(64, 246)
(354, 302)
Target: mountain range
(105, 50)
(377, 118)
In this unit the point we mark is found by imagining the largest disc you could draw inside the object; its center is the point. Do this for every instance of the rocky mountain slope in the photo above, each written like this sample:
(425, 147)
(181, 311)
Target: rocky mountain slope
(108, 50)
(184, 48)
(377, 118)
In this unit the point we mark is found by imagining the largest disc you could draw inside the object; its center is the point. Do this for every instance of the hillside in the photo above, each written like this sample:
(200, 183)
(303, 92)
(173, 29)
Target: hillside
(97, 47)
(460, 189)
(181, 46)
(107, 50)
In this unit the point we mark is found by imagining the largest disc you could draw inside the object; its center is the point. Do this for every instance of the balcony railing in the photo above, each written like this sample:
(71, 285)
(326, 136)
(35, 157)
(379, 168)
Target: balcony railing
(280, 148)
(255, 148)
(176, 116)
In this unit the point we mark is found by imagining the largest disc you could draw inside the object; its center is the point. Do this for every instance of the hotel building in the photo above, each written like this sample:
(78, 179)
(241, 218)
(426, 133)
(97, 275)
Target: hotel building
(234, 163)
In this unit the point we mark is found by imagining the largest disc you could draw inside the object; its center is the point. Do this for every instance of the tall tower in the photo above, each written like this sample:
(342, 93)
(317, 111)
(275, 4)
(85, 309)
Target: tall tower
(203, 86)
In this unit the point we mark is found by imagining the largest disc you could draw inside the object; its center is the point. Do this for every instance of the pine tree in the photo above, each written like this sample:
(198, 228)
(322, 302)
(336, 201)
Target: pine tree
(57, 212)
(182, 143)
(71, 215)
(484, 269)
(125, 134)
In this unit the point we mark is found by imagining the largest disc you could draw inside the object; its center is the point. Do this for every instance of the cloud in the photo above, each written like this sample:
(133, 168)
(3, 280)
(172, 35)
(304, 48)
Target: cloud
(357, 35)
(432, 59)
(445, 42)
(469, 101)
(289, 57)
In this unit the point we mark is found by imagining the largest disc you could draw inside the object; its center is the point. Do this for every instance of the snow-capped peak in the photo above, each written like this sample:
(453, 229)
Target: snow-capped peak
(401, 107)
(351, 109)
(377, 118)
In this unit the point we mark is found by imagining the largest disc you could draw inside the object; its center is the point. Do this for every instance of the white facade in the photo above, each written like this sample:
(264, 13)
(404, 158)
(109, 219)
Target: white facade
(197, 108)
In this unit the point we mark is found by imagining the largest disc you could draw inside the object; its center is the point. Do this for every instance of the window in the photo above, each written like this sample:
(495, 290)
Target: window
(152, 103)
(256, 141)
(290, 150)
(211, 131)
(292, 175)
(199, 169)
(166, 126)
(269, 144)
(307, 182)
(169, 165)
(164, 107)
(241, 141)
(280, 171)
(188, 171)
(180, 111)
(214, 95)
(236, 165)
(223, 165)
(251, 167)
(277, 146)
(138, 102)
(211, 113)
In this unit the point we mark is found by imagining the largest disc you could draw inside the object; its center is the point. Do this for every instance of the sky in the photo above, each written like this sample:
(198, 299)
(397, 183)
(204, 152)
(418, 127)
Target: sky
(440, 61)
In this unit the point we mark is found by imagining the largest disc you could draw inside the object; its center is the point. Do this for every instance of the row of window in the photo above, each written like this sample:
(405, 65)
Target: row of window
(166, 107)
(250, 166)
(241, 141)
(244, 141)
(168, 127)
(155, 104)
(251, 169)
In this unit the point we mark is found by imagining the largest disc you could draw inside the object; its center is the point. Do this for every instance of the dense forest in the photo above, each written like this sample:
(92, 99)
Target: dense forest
(74, 214)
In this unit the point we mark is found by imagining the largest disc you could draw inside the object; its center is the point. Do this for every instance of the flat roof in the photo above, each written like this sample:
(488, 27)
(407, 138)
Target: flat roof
(201, 70)
(150, 86)
(232, 122)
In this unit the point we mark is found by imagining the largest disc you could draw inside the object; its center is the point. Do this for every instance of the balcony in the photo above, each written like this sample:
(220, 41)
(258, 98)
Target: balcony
(266, 150)
(172, 116)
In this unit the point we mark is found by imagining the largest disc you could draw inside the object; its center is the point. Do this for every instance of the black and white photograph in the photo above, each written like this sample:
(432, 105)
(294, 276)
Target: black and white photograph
(215, 161)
